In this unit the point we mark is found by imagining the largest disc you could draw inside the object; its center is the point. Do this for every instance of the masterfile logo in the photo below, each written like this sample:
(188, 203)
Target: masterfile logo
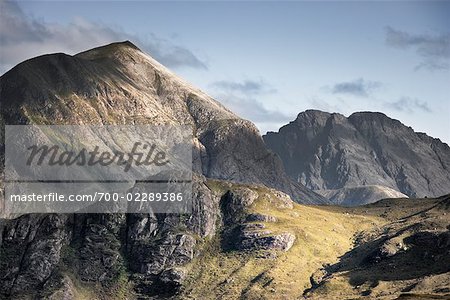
(98, 168)
(58, 156)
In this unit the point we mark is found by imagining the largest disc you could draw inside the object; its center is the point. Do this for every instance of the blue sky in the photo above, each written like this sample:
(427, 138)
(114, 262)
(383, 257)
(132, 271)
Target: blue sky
(267, 61)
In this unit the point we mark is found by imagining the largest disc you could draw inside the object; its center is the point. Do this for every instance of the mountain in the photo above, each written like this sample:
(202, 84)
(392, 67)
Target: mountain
(119, 84)
(360, 195)
(328, 151)
(50, 255)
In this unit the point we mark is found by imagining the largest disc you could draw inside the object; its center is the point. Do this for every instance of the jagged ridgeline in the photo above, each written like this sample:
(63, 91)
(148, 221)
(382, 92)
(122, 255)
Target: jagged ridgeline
(338, 156)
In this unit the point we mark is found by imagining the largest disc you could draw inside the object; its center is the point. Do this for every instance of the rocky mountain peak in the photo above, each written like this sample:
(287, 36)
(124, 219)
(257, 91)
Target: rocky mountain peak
(112, 50)
(328, 151)
(311, 117)
(370, 115)
(120, 84)
(376, 119)
(312, 114)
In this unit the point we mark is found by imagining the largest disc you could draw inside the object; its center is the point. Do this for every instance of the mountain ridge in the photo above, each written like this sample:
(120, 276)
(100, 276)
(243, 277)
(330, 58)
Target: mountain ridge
(119, 84)
(330, 151)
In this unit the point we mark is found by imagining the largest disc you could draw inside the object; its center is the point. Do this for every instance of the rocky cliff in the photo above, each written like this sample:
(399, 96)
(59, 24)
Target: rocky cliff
(329, 151)
(42, 254)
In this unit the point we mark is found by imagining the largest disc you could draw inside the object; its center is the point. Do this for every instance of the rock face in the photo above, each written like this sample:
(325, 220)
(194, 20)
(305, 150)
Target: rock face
(256, 240)
(329, 151)
(30, 250)
(151, 251)
(246, 231)
(360, 195)
(119, 84)
(37, 250)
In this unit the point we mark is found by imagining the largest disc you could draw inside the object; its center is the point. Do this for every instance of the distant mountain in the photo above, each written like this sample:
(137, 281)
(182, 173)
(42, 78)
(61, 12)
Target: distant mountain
(327, 151)
(119, 84)
(360, 195)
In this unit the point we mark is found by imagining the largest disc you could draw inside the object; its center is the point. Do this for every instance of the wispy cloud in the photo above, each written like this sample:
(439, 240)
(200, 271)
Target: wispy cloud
(244, 87)
(339, 105)
(358, 87)
(251, 109)
(409, 105)
(433, 49)
(22, 37)
(241, 98)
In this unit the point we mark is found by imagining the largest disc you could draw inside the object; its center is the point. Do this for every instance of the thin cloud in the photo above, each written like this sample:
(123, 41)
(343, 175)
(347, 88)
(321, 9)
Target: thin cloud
(409, 105)
(358, 87)
(22, 37)
(244, 87)
(251, 109)
(432, 65)
(339, 106)
(241, 98)
(433, 49)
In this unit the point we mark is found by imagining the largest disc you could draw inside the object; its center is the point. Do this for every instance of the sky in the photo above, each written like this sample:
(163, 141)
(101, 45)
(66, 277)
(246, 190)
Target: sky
(266, 61)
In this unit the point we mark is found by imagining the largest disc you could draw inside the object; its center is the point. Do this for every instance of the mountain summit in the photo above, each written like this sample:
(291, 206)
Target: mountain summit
(119, 84)
(327, 151)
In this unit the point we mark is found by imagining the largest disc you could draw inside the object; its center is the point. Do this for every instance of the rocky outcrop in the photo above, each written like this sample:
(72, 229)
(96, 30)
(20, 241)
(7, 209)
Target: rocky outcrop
(327, 151)
(256, 238)
(246, 230)
(317, 277)
(30, 251)
(149, 250)
(36, 249)
(256, 217)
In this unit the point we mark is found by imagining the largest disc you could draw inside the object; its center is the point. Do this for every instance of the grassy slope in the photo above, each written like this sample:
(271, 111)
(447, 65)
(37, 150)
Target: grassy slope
(322, 236)
(412, 273)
